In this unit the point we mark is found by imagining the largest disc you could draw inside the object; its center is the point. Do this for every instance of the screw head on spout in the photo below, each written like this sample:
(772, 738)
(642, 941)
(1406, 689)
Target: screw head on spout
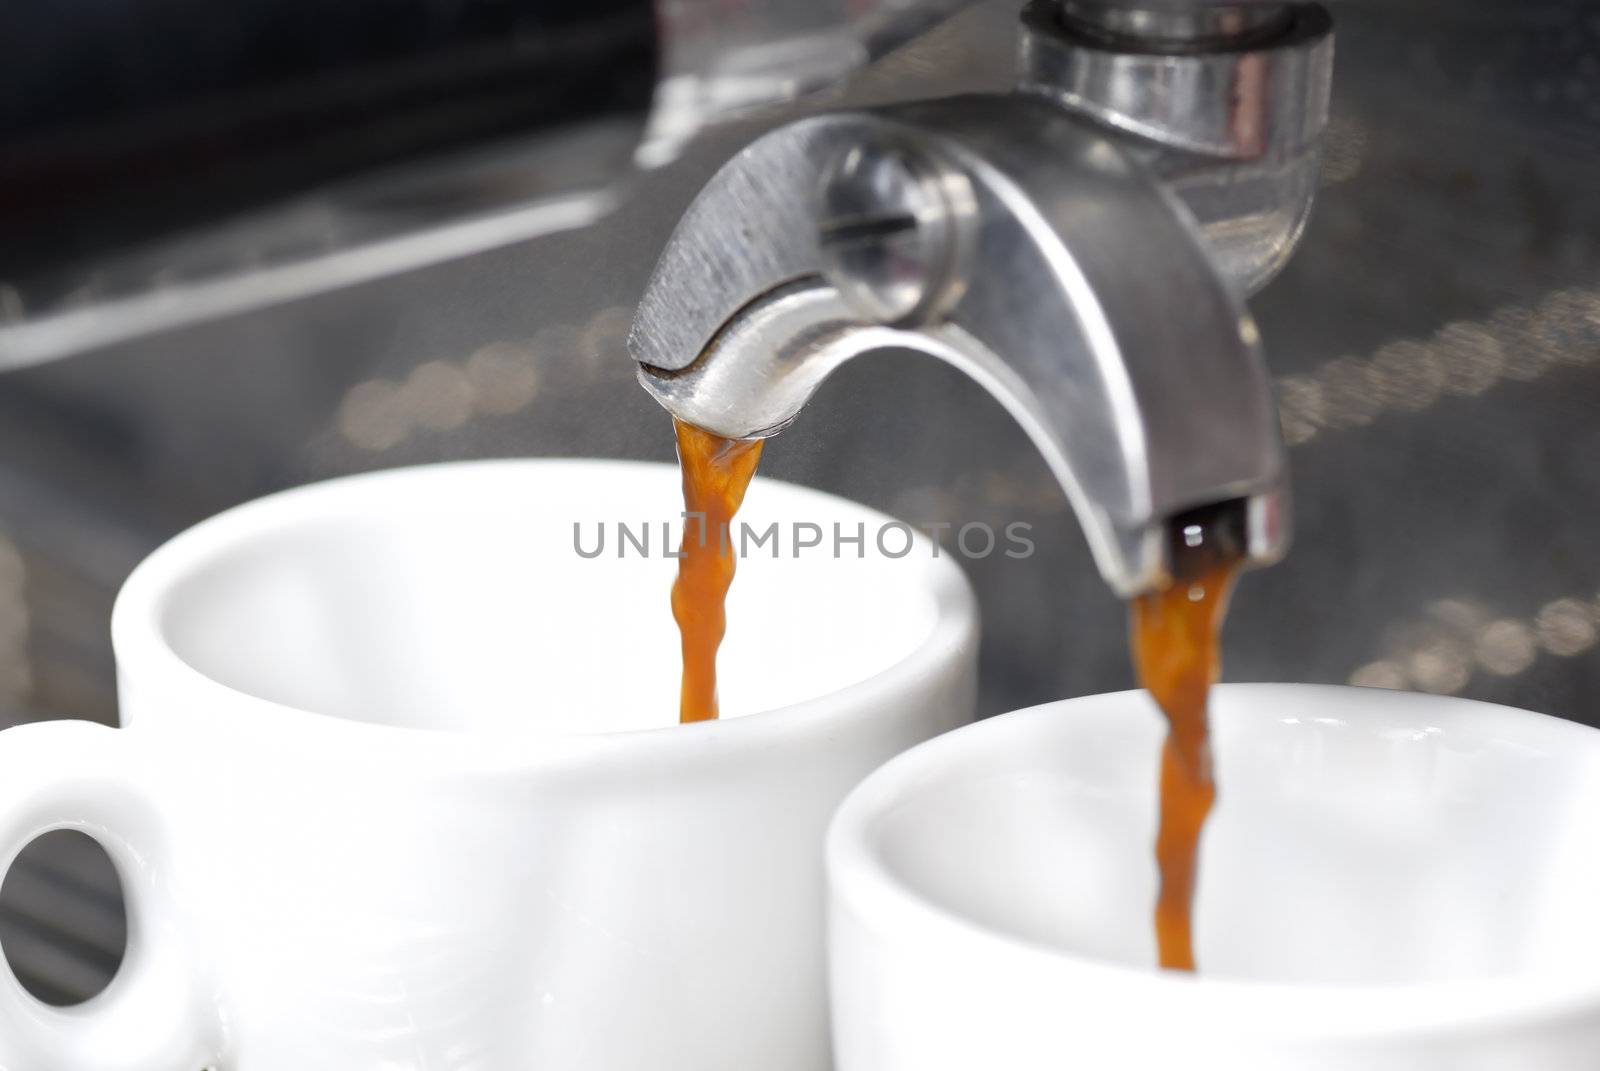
(895, 229)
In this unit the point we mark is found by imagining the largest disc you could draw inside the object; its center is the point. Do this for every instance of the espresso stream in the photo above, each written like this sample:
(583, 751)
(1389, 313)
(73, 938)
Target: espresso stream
(1176, 655)
(716, 472)
(1175, 633)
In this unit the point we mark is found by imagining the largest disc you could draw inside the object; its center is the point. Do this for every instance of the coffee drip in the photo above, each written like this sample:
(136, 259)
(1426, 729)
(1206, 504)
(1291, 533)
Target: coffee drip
(716, 473)
(1175, 634)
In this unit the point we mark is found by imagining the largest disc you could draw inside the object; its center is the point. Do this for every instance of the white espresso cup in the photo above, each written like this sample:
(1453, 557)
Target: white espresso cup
(400, 784)
(1388, 882)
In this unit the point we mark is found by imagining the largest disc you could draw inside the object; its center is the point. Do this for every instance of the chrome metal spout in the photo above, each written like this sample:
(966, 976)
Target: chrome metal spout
(1007, 237)
(1081, 248)
(1225, 103)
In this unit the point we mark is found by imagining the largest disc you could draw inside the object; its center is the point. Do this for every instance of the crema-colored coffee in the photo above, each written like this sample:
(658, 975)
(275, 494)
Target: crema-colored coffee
(1175, 644)
(716, 473)
(1176, 655)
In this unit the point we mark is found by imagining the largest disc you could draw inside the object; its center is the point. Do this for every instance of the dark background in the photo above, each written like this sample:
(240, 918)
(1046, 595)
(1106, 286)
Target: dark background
(1436, 341)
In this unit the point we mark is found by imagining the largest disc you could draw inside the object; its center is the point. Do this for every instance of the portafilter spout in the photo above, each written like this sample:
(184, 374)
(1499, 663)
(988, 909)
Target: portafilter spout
(1007, 238)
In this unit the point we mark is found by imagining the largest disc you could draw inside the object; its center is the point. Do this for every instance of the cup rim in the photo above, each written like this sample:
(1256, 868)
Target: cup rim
(142, 649)
(861, 881)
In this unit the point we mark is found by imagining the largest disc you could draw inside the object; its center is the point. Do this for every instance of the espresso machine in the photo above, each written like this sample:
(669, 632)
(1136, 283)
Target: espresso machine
(275, 242)
(1080, 245)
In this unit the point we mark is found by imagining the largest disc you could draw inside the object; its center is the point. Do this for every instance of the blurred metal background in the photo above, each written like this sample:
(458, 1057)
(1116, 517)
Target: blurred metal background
(1436, 342)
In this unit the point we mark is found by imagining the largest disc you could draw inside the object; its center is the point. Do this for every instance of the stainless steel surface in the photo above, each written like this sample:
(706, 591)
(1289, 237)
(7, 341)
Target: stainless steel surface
(1176, 27)
(1435, 345)
(718, 60)
(1262, 100)
(1076, 330)
(895, 231)
(1252, 209)
(1178, 13)
(334, 241)
(1234, 128)
(1251, 215)
(1091, 310)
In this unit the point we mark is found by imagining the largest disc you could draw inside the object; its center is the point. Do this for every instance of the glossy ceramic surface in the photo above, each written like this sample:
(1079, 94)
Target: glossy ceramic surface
(1390, 881)
(401, 786)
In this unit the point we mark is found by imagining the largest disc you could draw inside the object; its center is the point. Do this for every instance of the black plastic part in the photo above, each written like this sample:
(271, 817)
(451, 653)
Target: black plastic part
(126, 120)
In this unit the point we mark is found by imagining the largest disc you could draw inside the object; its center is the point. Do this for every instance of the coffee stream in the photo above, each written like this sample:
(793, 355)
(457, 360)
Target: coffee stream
(1175, 634)
(716, 472)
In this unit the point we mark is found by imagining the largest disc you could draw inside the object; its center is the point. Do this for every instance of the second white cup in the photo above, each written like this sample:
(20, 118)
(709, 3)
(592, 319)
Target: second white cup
(1389, 882)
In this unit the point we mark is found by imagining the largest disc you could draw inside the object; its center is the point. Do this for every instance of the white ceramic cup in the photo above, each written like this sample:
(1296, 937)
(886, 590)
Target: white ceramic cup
(400, 784)
(1389, 882)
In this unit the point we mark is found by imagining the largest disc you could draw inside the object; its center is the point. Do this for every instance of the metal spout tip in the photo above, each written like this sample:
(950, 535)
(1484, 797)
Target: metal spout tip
(1244, 532)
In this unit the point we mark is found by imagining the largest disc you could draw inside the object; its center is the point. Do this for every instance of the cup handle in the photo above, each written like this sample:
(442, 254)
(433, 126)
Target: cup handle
(153, 1016)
